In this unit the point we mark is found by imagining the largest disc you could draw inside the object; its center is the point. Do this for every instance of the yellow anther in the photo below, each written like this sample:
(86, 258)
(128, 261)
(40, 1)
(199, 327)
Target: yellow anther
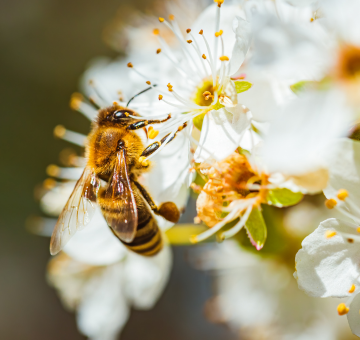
(350, 240)
(342, 194)
(130, 65)
(201, 32)
(219, 2)
(193, 239)
(352, 289)
(148, 82)
(170, 87)
(156, 31)
(59, 131)
(358, 229)
(331, 203)
(312, 19)
(52, 170)
(49, 183)
(330, 233)
(189, 41)
(342, 309)
(143, 161)
(188, 30)
(217, 34)
(171, 16)
(160, 96)
(204, 56)
(158, 50)
(161, 19)
(223, 58)
(115, 103)
(153, 133)
(76, 100)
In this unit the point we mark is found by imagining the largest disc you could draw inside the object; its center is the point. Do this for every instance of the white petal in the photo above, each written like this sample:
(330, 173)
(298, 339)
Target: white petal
(328, 267)
(221, 133)
(344, 167)
(146, 278)
(354, 316)
(95, 244)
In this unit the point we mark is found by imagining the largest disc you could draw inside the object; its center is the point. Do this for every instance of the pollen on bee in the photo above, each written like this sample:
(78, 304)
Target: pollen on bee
(160, 96)
(59, 131)
(148, 82)
(143, 161)
(342, 194)
(158, 50)
(217, 34)
(171, 16)
(161, 19)
(156, 31)
(130, 65)
(352, 289)
(152, 133)
(76, 100)
(342, 309)
(224, 58)
(330, 233)
(127, 114)
(52, 170)
(204, 56)
(330, 203)
(189, 41)
(201, 32)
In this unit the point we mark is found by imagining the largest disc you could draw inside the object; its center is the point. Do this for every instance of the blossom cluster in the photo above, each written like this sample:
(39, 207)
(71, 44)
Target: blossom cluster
(264, 104)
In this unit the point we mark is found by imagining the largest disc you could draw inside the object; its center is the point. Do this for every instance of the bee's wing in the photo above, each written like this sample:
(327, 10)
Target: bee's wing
(77, 212)
(123, 216)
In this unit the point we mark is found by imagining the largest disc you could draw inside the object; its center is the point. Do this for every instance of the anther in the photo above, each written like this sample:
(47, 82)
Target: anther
(156, 31)
(170, 87)
(330, 233)
(224, 58)
(189, 41)
(59, 131)
(153, 133)
(52, 170)
(217, 34)
(193, 239)
(312, 19)
(76, 100)
(331, 203)
(49, 183)
(204, 56)
(160, 96)
(143, 161)
(201, 32)
(350, 240)
(148, 82)
(158, 50)
(161, 19)
(188, 30)
(342, 194)
(352, 289)
(130, 65)
(358, 229)
(171, 16)
(219, 2)
(342, 309)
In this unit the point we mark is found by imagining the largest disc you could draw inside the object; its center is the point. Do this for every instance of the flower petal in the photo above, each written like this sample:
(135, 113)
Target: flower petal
(354, 316)
(221, 133)
(328, 266)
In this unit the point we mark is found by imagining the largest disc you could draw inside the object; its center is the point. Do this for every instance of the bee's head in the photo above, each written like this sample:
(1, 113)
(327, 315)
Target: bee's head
(115, 115)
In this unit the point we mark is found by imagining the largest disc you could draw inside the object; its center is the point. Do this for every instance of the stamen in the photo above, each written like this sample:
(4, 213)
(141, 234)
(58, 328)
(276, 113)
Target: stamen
(330, 233)
(330, 203)
(152, 133)
(342, 194)
(171, 17)
(148, 82)
(219, 2)
(160, 97)
(189, 41)
(77, 103)
(188, 30)
(217, 29)
(211, 62)
(64, 173)
(156, 31)
(203, 56)
(73, 137)
(358, 229)
(143, 161)
(161, 19)
(130, 65)
(158, 50)
(197, 50)
(217, 34)
(352, 289)
(342, 309)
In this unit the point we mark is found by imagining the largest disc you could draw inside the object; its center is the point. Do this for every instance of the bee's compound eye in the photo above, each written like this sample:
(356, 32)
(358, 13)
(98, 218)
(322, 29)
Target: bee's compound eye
(119, 114)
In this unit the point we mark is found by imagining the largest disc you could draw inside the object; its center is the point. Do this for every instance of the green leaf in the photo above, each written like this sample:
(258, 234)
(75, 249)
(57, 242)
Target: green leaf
(302, 85)
(198, 121)
(242, 86)
(283, 197)
(256, 228)
(218, 106)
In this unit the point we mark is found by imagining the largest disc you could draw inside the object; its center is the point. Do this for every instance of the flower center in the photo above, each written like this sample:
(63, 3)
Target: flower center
(204, 94)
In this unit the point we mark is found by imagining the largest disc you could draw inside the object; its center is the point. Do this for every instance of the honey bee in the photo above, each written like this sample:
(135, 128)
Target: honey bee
(115, 156)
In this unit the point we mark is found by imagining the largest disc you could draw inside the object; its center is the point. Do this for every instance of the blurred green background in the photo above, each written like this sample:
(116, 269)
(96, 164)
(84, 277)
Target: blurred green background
(46, 45)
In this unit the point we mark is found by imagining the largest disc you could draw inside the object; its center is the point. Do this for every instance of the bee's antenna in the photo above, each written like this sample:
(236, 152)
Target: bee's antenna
(143, 91)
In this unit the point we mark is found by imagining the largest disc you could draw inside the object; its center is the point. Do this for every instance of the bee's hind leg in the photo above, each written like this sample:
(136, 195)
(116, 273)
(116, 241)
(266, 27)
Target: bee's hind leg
(143, 123)
(168, 210)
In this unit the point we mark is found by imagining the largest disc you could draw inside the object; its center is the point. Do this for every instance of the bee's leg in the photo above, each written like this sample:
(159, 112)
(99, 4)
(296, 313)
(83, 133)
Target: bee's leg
(168, 210)
(143, 123)
(154, 146)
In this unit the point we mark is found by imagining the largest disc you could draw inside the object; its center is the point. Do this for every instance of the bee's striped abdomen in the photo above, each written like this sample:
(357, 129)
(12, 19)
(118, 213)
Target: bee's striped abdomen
(148, 239)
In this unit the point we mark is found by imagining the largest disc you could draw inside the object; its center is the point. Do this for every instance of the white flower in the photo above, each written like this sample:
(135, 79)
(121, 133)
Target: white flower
(103, 295)
(327, 264)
